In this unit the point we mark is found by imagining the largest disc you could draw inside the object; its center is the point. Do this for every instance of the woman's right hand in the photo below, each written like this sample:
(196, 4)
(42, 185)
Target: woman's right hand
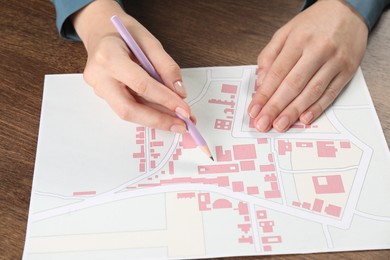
(113, 71)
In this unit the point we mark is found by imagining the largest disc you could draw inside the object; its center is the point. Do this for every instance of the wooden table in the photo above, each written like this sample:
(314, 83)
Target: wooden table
(195, 33)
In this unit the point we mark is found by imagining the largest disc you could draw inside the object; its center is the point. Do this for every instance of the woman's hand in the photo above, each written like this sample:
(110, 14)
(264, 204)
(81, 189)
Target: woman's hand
(115, 75)
(306, 65)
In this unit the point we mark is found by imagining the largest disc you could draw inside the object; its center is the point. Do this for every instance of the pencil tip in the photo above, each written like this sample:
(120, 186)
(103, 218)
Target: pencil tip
(211, 157)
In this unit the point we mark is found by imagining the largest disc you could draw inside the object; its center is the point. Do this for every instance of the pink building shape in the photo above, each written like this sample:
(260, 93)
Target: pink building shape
(317, 205)
(247, 165)
(326, 149)
(222, 204)
(284, 147)
(244, 227)
(262, 140)
(223, 156)
(218, 168)
(243, 208)
(244, 151)
(304, 144)
(245, 240)
(204, 201)
(345, 144)
(223, 124)
(267, 167)
(261, 214)
(333, 210)
(252, 190)
(328, 184)
(238, 186)
(271, 239)
(231, 89)
(267, 226)
(187, 142)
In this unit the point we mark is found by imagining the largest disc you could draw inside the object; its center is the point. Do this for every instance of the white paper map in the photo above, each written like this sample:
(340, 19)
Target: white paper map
(107, 189)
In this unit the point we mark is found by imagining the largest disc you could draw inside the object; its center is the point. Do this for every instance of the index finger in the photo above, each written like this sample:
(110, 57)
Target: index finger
(137, 79)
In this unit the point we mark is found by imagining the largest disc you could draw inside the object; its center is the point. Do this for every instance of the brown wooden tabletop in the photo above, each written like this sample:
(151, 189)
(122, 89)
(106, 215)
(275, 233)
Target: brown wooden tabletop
(196, 34)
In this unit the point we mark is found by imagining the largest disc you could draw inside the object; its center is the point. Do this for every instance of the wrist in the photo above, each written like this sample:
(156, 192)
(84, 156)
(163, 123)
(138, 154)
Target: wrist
(349, 8)
(93, 21)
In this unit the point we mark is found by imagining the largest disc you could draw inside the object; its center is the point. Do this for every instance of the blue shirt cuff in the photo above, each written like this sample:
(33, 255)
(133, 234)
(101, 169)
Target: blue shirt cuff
(370, 10)
(64, 9)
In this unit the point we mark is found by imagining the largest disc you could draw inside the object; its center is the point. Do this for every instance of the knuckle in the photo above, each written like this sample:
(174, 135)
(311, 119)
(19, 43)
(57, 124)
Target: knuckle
(103, 57)
(140, 86)
(260, 97)
(294, 83)
(125, 112)
(170, 68)
(277, 74)
(332, 93)
(316, 90)
(273, 109)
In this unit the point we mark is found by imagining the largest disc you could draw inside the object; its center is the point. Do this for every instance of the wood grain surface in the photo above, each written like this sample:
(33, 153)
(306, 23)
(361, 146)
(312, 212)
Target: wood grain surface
(196, 33)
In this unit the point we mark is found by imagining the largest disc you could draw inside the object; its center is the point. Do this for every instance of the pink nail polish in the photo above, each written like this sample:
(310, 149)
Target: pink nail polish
(179, 88)
(282, 123)
(255, 110)
(178, 129)
(307, 117)
(182, 112)
(263, 123)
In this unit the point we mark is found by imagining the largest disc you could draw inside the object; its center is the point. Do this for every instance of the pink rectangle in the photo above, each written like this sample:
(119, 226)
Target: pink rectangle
(296, 204)
(187, 142)
(152, 164)
(140, 135)
(306, 205)
(244, 151)
(317, 205)
(333, 210)
(262, 140)
(274, 185)
(247, 165)
(153, 131)
(253, 190)
(272, 194)
(227, 88)
(271, 239)
(345, 144)
(218, 168)
(238, 186)
(171, 168)
(157, 143)
(84, 193)
(142, 167)
(270, 177)
(267, 167)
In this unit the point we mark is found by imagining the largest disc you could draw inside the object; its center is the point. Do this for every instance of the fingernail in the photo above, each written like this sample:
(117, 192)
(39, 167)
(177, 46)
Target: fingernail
(182, 112)
(307, 117)
(263, 123)
(180, 89)
(180, 129)
(260, 77)
(282, 123)
(255, 110)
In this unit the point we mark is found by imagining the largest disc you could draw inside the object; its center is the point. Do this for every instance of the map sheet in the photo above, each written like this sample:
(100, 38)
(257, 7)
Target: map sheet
(104, 188)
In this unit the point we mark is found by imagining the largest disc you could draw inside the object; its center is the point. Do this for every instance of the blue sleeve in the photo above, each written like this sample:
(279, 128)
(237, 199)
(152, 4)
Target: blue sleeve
(370, 10)
(64, 9)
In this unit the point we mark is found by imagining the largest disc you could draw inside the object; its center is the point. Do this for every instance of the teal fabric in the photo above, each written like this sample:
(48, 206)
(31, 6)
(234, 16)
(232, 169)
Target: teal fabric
(64, 9)
(370, 10)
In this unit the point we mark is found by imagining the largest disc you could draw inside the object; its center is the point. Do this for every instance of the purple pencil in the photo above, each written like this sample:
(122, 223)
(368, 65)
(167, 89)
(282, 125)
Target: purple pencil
(145, 63)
